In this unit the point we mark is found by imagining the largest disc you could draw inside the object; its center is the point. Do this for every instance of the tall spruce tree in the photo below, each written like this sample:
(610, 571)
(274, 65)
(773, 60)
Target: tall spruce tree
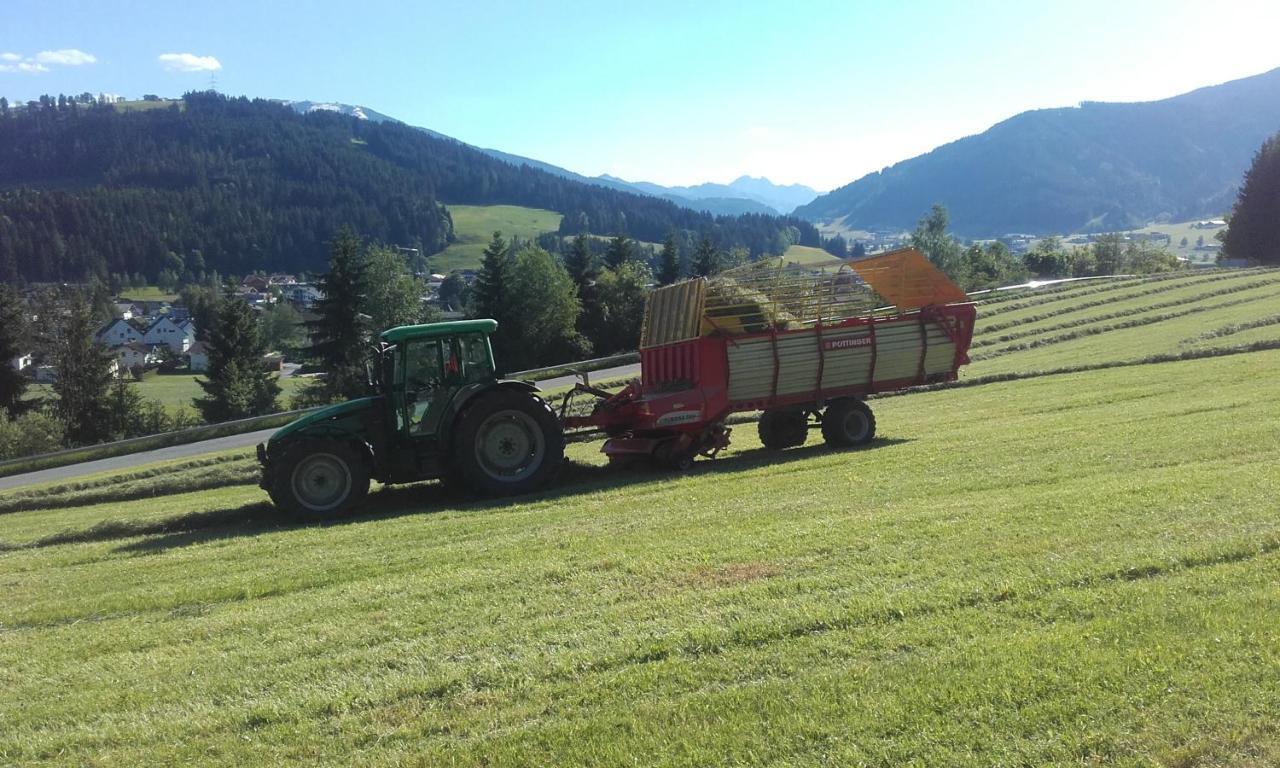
(490, 294)
(84, 372)
(13, 344)
(339, 334)
(580, 263)
(706, 258)
(237, 385)
(492, 297)
(620, 251)
(669, 262)
(1253, 232)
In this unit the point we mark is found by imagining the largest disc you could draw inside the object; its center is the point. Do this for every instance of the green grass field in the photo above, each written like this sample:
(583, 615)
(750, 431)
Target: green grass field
(147, 293)
(1068, 569)
(474, 225)
(804, 254)
(176, 391)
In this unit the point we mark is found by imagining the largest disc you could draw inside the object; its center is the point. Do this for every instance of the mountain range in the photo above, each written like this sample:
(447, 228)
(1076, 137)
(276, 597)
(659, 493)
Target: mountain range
(1095, 167)
(746, 194)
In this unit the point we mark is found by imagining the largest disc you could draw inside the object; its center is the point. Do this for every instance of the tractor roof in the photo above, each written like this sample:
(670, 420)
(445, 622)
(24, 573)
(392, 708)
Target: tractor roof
(436, 330)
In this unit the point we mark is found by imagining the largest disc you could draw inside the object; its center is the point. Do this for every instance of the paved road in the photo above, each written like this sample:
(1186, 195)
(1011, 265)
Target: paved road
(604, 374)
(246, 440)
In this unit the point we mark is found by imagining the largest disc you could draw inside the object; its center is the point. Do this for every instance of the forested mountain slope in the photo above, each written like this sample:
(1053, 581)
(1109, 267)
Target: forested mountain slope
(237, 185)
(1096, 167)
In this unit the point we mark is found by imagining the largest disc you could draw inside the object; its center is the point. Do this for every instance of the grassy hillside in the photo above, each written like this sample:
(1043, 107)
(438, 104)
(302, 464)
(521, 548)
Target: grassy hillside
(1067, 569)
(804, 254)
(474, 225)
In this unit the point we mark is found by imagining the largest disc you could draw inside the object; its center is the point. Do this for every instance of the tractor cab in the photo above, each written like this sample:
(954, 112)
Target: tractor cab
(424, 367)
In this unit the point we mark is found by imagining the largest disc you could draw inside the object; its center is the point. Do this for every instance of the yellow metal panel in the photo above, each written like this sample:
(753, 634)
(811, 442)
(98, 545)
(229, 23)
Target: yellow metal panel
(908, 280)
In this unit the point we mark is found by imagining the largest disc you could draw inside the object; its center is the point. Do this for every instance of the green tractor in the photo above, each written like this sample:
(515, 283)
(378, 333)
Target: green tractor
(436, 410)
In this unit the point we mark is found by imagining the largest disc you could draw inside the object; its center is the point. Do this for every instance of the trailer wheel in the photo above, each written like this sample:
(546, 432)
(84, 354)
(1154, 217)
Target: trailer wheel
(319, 480)
(508, 442)
(783, 428)
(848, 423)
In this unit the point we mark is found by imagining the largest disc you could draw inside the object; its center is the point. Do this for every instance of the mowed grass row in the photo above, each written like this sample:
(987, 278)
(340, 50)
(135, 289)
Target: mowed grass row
(1035, 307)
(1131, 343)
(1122, 324)
(1121, 308)
(1212, 306)
(1071, 569)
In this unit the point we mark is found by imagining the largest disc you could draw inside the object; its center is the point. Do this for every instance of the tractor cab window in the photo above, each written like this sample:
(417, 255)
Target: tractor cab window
(477, 362)
(424, 382)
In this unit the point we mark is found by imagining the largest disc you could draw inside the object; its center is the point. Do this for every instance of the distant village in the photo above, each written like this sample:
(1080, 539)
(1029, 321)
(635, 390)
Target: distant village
(146, 335)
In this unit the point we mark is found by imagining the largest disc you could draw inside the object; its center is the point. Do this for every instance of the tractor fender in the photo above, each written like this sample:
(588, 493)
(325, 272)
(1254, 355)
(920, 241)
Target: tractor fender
(324, 431)
(468, 395)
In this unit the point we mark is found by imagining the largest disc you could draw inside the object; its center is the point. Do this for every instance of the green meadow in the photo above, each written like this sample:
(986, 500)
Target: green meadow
(1064, 569)
(474, 225)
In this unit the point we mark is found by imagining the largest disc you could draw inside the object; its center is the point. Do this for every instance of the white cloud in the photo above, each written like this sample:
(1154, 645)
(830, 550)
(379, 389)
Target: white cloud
(189, 62)
(67, 57)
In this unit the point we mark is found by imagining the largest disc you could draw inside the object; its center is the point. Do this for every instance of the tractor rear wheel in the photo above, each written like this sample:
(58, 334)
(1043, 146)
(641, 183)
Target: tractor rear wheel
(318, 480)
(848, 423)
(783, 428)
(508, 442)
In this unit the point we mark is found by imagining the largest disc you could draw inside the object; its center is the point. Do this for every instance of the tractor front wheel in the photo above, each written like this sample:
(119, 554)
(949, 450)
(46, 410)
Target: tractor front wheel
(848, 423)
(783, 429)
(508, 442)
(319, 479)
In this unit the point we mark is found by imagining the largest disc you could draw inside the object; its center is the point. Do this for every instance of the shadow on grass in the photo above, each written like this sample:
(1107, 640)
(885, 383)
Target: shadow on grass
(421, 498)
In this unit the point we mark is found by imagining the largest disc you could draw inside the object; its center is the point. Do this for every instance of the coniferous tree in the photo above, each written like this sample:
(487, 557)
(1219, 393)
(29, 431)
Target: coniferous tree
(236, 386)
(579, 262)
(491, 291)
(339, 335)
(84, 373)
(620, 251)
(669, 262)
(13, 344)
(1253, 231)
(706, 259)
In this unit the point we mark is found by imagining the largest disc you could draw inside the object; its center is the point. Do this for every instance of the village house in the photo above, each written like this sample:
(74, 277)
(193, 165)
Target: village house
(175, 336)
(198, 357)
(21, 362)
(303, 295)
(135, 355)
(117, 333)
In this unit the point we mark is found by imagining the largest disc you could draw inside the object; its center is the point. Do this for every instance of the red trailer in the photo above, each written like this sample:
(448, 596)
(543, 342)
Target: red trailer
(804, 344)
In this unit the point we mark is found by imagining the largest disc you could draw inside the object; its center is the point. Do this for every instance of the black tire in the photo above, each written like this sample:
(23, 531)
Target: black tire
(508, 442)
(783, 429)
(319, 480)
(848, 423)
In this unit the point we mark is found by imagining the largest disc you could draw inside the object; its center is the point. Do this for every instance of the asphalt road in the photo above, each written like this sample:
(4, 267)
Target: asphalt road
(246, 440)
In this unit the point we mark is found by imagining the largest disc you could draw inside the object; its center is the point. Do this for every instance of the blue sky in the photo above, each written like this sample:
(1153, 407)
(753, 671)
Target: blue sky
(672, 92)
